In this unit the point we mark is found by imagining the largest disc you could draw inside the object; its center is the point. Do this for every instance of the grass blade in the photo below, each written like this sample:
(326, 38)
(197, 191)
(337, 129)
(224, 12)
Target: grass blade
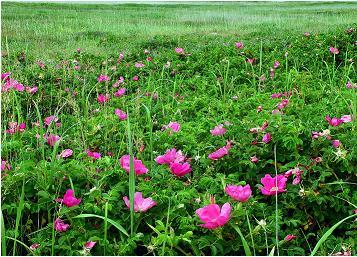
(18, 215)
(328, 233)
(131, 178)
(114, 223)
(245, 244)
(3, 241)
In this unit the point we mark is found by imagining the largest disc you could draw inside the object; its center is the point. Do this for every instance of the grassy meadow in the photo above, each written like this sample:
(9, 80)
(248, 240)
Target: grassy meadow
(179, 129)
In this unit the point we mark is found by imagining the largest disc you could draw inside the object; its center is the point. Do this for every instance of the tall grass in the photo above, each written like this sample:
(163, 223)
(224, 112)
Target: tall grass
(131, 175)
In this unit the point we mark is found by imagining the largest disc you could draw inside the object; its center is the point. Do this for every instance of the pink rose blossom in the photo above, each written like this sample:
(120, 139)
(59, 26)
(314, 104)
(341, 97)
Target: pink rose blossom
(140, 204)
(179, 50)
(120, 92)
(239, 45)
(346, 118)
(5, 166)
(68, 199)
(139, 65)
(135, 78)
(336, 143)
(174, 126)
(272, 186)
(276, 64)
(180, 169)
(121, 57)
(66, 153)
(50, 119)
(213, 216)
(218, 130)
(254, 159)
(289, 238)
(334, 50)
(239, 193)
(171, 156)
(334, 121)
(103, 98)
(220, 152)
(121, 115)
(31, 90)
(119, 81)
(52, 139)
(78, 50)
(139, 167)
(60, 226)
(266, 138)
(34, 246)
(93, 155)
(103, 78)
(89, 245)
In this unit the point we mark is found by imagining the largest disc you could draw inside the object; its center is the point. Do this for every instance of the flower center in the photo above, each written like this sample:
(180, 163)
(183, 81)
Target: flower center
(273, 189)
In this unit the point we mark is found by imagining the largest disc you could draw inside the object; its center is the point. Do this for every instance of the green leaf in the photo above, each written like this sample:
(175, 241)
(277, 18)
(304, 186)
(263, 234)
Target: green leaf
(114, 223)
(328, 233)
(245, 244)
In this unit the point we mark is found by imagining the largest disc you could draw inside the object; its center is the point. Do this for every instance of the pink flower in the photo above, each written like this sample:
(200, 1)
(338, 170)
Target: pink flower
(170, 156)
(60, 226)
(77, 67)
(139, 65)
(121, 115)
(103, 98)
(50, 119)
(289, 238)
(180, 169)
(68, 199)
(179, 50)
(346, 118)
(239, 45)
(174, 126)
(5, 166)
(119, 82)
(336, 143)
(14, 127)
(52, 139)
(34, 246)
(140, 204)
(251, 60)
(213, 216)
(31, 90)
(334, 50)
(218, 130)
(135, 78)
(220, 152)
(334, 121)
(89, 245)
(239, 193)
(78, 50)
(139, 167)
(66, 153)
(102, 78)
(307, 34)
(93, 155)
(149, 59)
(121, 57)
(260, 108)
(272, 73)
(266, 138)
(254, 159)
(272, 186)
(276, 64)
(120, 92)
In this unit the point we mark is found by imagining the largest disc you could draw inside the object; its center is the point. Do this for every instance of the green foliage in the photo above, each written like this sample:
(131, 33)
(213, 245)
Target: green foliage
(210, 85)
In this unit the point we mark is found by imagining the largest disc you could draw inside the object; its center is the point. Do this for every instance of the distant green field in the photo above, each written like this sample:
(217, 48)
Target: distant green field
(47, 29)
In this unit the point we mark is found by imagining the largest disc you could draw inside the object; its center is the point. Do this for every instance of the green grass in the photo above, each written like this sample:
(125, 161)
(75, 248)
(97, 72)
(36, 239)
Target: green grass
(210, 85)
(53, 30)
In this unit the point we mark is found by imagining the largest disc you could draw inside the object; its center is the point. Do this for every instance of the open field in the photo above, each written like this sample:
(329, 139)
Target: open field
(236, 122)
